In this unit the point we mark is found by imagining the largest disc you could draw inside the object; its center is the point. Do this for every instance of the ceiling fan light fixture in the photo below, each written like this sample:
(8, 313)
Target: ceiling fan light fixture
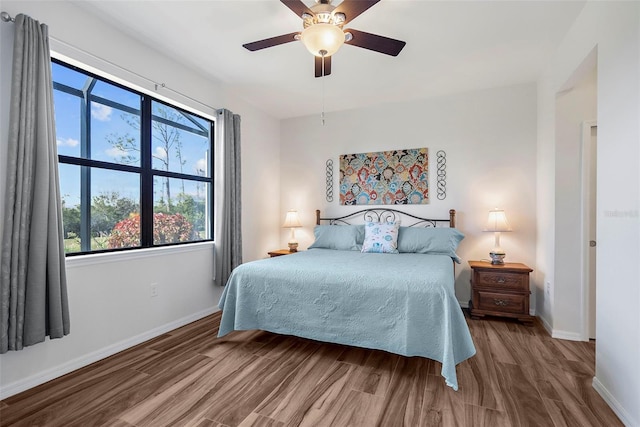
(322, 37)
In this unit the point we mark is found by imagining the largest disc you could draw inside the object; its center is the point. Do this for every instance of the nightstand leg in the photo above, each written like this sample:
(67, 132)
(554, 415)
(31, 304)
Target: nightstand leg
(474, 316)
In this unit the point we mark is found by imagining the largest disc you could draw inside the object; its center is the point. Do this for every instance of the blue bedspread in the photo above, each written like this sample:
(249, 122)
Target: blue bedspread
(401, 303)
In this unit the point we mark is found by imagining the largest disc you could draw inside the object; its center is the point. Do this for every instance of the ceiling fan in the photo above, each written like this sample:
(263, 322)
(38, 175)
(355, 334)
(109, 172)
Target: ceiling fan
(323, 32)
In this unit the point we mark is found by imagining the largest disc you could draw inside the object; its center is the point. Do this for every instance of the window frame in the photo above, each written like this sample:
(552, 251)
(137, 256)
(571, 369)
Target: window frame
(145, 170)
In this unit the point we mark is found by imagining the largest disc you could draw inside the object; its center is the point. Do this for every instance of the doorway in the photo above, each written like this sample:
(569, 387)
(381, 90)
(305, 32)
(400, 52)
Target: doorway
(589, 235)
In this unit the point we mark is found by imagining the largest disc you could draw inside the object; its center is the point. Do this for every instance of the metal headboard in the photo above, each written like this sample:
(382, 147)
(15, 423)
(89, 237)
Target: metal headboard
(388, 215)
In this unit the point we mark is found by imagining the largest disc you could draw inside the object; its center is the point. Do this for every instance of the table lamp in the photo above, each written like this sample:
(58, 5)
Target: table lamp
(497, 222)
(292, 221)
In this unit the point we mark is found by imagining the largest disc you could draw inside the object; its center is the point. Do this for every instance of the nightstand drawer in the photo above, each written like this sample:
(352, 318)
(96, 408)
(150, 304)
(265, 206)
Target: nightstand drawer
(503, 303)
(502, 280)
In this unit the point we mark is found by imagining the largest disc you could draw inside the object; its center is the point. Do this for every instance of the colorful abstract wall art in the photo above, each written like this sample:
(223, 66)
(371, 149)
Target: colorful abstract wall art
(398, 177)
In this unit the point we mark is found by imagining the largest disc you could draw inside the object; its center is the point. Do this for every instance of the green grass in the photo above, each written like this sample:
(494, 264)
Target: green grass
(72, 245)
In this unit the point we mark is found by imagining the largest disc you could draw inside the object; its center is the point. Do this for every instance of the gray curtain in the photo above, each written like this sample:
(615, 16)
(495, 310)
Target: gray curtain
(32, 270)
(229, 231)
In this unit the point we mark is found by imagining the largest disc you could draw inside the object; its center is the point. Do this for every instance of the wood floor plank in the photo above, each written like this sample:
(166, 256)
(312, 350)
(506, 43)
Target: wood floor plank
(594, 402)
(354, 355)
(478, 416)
(375, 375)
(201, 422)
(145, 389)
(577, 351)
(257, 420)
(241, 399)
(59, 388)
(555, 382)
(319, 406)
(212, 321)
(523, 402)
(477, 377)
(286, 399)
(188, 397)
(240, 341)
(117, 423)
(570, 415)
(403, 400)
(358, 409)
(189, 377)
(81, 403)
(441, 405)
(433, 402)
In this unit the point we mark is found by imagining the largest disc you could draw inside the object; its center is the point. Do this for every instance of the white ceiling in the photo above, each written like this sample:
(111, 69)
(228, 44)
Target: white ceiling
(452, 46)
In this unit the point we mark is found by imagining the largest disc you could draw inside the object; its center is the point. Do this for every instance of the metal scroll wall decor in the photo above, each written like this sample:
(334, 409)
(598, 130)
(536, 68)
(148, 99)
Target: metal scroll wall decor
(398, 177)
(329, 172)
(441, 158)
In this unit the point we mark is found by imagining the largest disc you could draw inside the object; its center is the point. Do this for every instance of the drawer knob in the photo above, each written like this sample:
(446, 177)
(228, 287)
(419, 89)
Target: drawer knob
(501, 280)
(500, 302)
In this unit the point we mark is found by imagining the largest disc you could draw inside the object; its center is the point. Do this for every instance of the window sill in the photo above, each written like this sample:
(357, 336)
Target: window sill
(112, 257)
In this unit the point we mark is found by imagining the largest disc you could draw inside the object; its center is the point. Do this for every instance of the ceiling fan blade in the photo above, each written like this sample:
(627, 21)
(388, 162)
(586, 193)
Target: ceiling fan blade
(375, 42)
(327, 65)
(273, 41)
(297, 7)
(353, 8)
(319, 69)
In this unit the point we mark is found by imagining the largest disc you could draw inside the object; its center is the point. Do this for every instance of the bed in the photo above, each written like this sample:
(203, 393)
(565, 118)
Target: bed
(402, 302)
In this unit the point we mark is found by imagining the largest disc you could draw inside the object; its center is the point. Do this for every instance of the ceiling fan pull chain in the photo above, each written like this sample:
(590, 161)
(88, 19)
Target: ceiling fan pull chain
(323, 53)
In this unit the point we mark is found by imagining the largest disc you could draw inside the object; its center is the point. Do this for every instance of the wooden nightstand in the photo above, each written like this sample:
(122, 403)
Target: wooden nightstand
(500, 290)
(280, 252)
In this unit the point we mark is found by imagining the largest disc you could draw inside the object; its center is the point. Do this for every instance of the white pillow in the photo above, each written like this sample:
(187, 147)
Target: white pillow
(381, 237)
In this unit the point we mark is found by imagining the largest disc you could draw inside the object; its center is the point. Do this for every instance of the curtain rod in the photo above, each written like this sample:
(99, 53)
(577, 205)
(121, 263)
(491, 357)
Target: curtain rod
(8, 18)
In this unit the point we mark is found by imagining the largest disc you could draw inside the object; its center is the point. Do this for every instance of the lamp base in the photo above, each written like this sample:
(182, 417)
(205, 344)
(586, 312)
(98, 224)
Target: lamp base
(293, 246)
(497, 257)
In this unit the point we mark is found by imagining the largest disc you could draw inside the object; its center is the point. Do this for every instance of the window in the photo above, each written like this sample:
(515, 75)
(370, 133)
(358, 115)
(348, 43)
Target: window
(135, 172)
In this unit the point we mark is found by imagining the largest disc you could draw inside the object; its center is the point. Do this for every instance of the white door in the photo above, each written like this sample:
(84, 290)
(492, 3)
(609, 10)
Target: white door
(592, 232)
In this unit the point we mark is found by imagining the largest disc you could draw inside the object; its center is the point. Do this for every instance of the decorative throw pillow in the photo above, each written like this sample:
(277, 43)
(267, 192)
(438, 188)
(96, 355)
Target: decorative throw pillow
(381, 237)
(339, 237)
(430, 240)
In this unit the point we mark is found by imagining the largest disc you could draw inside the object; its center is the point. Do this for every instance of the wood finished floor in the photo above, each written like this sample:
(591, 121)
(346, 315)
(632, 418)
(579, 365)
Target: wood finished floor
(188, 377)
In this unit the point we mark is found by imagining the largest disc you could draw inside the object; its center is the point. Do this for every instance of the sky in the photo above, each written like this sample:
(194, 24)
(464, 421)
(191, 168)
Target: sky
(109, 125)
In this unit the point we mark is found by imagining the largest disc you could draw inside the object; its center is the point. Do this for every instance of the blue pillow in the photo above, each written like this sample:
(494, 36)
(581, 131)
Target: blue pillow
(381, 237)
(430, 240)
(339, 237)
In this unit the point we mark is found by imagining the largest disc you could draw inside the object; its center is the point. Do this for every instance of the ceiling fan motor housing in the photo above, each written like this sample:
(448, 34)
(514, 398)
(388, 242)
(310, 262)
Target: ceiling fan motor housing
(323, 14)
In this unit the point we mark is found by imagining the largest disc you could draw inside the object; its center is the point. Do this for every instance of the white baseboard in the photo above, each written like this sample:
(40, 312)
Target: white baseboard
(80, 362)
(614, 404)
(566, 335)
(561, 335)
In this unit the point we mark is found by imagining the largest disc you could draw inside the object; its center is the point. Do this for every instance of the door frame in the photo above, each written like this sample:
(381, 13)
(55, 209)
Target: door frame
(585, 219)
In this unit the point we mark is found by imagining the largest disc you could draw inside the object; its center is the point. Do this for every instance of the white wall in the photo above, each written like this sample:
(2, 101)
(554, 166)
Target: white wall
(573, 107)
(110, 302)
(489, 138)
(614, 28)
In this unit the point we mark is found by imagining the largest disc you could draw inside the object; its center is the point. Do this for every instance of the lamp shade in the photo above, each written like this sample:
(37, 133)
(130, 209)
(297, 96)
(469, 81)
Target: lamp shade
(292, 220)
(319, 38)
(497, 221)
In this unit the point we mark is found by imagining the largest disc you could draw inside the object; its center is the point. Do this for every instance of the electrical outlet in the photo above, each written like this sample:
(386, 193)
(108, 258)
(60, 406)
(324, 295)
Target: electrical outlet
(547, 288)
(154, 290)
